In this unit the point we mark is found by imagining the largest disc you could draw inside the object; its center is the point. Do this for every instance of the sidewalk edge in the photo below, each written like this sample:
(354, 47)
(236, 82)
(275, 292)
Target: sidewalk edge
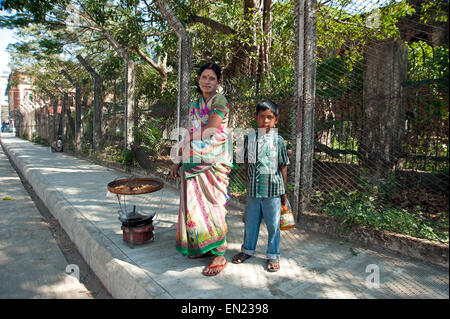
(119, 279)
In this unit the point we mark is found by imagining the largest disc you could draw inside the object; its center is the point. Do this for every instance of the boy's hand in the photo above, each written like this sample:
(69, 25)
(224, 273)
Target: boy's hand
(283, 199)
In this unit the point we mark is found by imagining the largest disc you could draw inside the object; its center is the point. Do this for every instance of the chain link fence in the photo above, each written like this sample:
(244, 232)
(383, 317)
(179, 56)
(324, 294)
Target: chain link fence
(380, 119)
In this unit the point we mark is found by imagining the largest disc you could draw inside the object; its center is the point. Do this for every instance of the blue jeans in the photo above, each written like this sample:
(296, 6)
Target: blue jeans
(270, 210)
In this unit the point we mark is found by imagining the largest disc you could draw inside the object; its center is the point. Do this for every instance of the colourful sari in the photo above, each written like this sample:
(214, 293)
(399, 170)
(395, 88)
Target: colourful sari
(206, 164)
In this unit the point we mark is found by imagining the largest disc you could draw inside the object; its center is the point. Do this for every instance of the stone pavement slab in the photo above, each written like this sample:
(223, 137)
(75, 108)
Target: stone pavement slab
(312, 265)
(32, 265)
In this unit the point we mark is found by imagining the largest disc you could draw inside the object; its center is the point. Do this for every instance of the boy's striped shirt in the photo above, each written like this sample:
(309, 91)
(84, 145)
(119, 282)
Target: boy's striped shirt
(264, 175)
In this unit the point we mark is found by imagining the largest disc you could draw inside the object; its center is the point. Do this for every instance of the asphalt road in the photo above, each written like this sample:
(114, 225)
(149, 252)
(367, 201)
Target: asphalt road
(37, 258)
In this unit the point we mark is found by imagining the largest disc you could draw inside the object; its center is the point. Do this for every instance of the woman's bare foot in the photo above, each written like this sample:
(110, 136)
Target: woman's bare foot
(207, 254)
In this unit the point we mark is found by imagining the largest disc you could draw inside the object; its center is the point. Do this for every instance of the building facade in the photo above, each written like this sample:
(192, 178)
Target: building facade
(23, 104)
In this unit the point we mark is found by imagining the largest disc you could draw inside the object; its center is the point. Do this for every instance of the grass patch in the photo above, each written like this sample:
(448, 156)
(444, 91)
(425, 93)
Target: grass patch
(367, 209)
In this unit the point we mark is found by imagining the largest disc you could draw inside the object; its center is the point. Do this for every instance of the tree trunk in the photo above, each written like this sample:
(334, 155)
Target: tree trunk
(385, 71)
(184, 60)
(267, 40)
(97, 107)
(309, 87)
(55, 114)
(51, 98)
(304, 101)
(63, 114)
(70, 122)
(130, 95)
(258, 18)
(130, 119)
(297, 110)
(77, 125)
(253, 9)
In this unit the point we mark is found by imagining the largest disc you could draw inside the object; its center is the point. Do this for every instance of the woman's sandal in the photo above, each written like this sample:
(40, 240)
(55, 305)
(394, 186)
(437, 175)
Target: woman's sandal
(215, 273)
(240, 258)
(273, 265)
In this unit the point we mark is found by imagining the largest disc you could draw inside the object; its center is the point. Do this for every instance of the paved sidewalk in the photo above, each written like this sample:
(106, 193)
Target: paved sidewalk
(312, 265)
(32, 265)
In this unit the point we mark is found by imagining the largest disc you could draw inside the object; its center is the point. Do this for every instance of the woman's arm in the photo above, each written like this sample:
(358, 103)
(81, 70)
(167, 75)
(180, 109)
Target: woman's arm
(209, 129)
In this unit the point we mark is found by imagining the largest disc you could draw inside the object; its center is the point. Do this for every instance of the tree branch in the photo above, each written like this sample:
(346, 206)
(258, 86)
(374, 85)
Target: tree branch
(217, 26)
(171, 18)
(161, 70)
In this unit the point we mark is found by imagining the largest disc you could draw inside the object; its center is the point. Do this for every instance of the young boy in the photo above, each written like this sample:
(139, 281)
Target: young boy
(266, 163)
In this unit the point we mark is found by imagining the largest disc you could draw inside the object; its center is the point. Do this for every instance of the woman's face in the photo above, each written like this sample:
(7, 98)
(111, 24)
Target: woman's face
(208, 82)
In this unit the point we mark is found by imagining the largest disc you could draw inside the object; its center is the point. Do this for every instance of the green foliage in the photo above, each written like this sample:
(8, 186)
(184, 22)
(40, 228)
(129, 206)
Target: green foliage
(36, 138)
(428, 62)
(283, 35)
(37, 9)
(150, 134)
(127, 157)
(437, 11)
(369, 205)
(427, 129)
(237, 186)
(24, 135)
(111, 153)
(50, 47)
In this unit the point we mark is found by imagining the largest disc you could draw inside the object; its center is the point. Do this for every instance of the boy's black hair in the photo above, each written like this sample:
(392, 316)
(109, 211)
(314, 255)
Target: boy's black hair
(212, 66)
(267, 105)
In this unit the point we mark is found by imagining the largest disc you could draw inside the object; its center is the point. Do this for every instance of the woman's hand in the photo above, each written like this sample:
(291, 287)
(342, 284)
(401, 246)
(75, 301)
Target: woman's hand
(174, 171)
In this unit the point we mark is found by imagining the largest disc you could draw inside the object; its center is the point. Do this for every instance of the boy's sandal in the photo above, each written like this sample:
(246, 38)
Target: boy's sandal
(273, 265)
(217, 269)
(240, 258)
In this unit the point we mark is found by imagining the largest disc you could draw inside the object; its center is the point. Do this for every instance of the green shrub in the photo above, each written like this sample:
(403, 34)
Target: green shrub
(127, 157)
(366, 209)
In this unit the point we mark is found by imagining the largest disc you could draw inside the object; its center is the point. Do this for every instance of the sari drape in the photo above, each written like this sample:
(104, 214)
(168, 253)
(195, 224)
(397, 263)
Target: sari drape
(204, 191)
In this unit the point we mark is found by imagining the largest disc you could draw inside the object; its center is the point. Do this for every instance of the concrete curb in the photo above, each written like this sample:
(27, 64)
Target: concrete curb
(121, 279)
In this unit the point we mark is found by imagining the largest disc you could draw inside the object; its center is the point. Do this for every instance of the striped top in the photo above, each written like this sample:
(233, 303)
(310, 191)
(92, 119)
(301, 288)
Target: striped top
(264, 155)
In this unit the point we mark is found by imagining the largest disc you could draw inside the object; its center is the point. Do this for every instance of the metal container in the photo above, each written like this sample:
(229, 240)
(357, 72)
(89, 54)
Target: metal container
(137, 230)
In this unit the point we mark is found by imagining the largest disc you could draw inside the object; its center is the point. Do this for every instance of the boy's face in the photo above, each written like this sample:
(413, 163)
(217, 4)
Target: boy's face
(266, 119)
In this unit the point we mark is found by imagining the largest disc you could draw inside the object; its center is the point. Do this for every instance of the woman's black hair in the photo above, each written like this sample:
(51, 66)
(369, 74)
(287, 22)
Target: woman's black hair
(267, 105)
(211, 66)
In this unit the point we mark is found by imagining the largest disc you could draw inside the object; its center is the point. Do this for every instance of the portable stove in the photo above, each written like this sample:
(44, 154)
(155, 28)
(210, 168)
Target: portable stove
(136, 228)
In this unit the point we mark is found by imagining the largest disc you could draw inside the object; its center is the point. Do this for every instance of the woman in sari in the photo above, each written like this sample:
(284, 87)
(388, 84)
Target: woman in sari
(206, 162)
